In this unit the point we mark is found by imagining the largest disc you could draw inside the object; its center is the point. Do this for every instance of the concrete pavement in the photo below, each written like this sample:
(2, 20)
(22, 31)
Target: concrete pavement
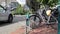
(17, 26)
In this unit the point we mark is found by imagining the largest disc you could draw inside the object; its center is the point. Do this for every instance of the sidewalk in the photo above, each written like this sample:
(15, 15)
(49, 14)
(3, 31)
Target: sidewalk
(40, 30)
(19, 31)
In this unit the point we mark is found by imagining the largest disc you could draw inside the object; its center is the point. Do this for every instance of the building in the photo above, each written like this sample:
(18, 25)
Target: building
(7, 1)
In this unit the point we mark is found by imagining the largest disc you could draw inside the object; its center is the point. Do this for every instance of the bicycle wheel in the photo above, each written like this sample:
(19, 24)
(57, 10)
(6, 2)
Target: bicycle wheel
(54, 22)
(34, 21)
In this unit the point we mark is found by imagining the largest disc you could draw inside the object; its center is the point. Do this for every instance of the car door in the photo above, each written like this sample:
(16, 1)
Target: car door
(3, 15)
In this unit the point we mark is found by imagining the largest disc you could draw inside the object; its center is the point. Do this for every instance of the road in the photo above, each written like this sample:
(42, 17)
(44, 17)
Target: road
(18, 22)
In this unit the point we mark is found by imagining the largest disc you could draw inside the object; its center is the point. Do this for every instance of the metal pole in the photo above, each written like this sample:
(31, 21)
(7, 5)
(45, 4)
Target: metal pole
(6, 3)
(27, 22)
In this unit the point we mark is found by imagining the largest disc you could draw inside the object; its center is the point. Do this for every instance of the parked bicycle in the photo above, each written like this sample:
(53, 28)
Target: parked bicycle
(48, 16)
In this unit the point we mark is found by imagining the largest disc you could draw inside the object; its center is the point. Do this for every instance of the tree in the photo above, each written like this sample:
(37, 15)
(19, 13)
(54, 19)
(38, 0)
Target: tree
(34, 4)
(50, 3)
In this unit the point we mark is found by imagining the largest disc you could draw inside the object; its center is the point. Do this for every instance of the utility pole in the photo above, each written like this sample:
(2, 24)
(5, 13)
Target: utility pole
(6, 3)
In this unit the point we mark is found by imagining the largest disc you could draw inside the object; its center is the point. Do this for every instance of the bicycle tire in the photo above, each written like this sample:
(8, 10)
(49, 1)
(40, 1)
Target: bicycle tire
(33, 25)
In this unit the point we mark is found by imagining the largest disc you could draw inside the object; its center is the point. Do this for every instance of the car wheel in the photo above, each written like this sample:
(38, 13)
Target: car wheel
(10, 18)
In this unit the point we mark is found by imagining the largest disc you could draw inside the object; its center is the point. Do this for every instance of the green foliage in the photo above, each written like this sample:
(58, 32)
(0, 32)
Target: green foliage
(48, 2)
(20, 11)
(35, 4)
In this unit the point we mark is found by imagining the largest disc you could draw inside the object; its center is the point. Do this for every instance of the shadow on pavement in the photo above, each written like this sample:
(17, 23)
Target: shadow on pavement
(16, 19)
(2, 23)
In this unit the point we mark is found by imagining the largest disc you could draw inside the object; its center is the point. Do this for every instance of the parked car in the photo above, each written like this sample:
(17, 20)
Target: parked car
(5, 15)
(14, 4)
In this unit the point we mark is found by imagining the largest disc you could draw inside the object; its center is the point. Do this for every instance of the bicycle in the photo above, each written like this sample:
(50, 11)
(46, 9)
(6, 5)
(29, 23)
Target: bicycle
(41, 16)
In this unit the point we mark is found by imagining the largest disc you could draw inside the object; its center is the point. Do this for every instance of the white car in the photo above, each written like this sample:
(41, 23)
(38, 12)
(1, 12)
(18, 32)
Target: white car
(5, 15)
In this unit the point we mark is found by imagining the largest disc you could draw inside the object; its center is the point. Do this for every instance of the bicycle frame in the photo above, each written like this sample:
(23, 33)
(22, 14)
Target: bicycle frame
(40, 12)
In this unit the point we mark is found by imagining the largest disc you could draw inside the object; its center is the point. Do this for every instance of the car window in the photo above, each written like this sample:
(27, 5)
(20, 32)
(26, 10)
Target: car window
(13, 4)
(1, 10)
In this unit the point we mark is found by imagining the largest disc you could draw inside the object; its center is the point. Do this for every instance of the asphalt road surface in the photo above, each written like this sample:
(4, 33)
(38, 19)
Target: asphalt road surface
(18, 22)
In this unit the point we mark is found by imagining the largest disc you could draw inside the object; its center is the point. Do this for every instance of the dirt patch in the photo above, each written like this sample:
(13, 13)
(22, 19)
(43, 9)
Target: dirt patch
(45, 30)
(19, 31)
